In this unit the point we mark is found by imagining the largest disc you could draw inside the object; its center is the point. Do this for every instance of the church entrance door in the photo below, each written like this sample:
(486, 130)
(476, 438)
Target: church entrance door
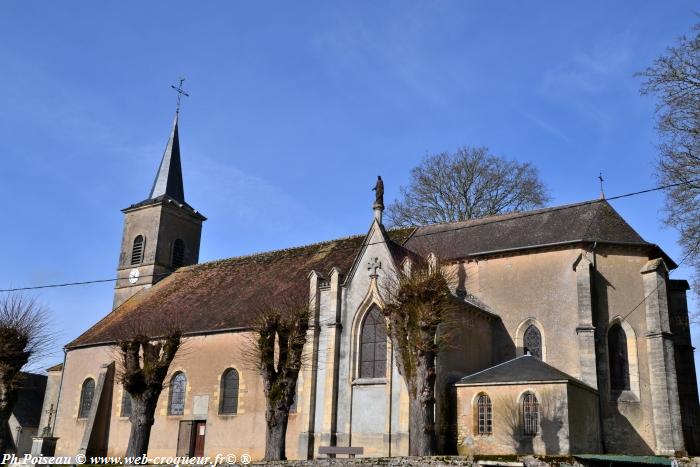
(200, 430)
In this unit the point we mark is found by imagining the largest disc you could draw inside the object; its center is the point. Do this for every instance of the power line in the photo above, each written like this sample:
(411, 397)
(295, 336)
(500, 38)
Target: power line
(468, 224)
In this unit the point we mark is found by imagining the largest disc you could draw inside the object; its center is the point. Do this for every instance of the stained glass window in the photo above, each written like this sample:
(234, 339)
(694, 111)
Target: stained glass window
(87, 394)
(532, 341)
(178, 386)
(229, 391)
(619, 361)
(373, 346)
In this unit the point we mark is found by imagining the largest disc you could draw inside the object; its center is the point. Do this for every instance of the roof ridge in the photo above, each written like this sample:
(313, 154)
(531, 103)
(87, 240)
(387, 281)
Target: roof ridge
(495, 366)
(283, 250)
(511, 215)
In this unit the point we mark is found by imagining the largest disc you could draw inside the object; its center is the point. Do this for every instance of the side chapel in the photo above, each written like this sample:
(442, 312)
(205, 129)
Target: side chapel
(571, 338)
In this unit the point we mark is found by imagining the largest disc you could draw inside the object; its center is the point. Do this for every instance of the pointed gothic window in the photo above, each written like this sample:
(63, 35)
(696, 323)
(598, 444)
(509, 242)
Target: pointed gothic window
(87, 394)
(531, 414)
(229, 392)
(178, 256)
(178, 386)
(126, 404)
(618, 359)
(373, 346)
(484, 420)
(532, 341)
(137, 250)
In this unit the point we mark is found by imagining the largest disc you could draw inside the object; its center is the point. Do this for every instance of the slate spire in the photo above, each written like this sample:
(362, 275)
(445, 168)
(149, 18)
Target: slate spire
(168, 180)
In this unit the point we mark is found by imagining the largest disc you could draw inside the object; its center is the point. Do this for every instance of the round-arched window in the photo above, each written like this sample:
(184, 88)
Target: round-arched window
(178, 386)
(87, 394)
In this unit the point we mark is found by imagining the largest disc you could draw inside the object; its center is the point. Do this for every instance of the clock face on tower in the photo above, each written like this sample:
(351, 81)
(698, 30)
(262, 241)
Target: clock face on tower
(134, 276)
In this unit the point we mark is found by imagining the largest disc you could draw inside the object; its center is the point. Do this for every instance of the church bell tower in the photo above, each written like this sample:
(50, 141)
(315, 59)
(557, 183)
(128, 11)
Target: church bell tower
(161, 233)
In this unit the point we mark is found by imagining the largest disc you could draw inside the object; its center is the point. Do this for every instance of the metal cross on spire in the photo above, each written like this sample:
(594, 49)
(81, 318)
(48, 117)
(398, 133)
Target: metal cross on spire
(602, 193)
(180, 93)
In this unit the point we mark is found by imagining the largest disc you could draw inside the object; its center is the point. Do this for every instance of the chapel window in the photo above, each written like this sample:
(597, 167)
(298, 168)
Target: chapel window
(178, 386)
(137, 250)
(87, 394)
(126, 404)
(484, 420)
(532, 341)
(178, 257)
(373, 346)
(531, 414)
(230, 381)
(618, 359)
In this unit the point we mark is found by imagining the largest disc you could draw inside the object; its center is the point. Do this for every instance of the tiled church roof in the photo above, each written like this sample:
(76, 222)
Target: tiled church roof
(588, 221)
(222, 295)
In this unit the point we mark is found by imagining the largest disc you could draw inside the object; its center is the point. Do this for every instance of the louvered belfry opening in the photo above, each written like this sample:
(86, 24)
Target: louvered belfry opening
(178, 258)
(137, 250)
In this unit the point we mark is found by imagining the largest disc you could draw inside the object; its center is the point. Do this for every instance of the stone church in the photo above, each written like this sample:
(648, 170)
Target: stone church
(571, 338)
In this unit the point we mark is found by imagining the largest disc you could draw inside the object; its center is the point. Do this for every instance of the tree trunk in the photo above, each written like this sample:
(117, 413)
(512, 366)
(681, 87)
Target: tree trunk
(8, 397)
(142, 419)
(275, 435)
(421, 433)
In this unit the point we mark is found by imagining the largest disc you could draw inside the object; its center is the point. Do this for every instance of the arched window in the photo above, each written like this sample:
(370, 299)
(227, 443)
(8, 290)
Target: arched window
(126, 404)
(87, 394)
(137, 250)
(484, 414)
(532, 341)
(178, 256)
(229, 392)
(618, 359)
(373, 346)
(531, 414)
(178, 386)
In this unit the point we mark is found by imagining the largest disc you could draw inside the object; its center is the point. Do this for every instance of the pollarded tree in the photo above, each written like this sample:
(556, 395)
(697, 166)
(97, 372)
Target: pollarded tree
(145, 357)
(466, 184)
(418, 304)
(277, 350)
(674, 78)
(23, 337)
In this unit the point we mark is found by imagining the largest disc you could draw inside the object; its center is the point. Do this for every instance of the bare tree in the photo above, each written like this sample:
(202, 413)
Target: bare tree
(466, 184)
(277, 351)
(418, 304)
(674, 78)
(145, 353)
(23, 324)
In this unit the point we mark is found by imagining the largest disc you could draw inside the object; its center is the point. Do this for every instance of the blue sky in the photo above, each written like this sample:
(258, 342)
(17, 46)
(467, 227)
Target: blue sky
(295, 108)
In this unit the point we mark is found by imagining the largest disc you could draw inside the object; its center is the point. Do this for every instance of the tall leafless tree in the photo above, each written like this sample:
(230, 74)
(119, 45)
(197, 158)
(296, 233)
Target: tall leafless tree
(418, 304)
(674, 79)
(277, 351)
(145, 351)
(466, 184)
(23, 337)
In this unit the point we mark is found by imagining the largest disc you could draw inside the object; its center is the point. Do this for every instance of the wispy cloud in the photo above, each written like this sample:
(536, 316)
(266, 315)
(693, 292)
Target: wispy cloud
(546, 126)
(247, 200)
(584, 81)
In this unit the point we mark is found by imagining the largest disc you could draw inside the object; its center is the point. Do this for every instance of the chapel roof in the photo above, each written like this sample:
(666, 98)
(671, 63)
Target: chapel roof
(523, 369)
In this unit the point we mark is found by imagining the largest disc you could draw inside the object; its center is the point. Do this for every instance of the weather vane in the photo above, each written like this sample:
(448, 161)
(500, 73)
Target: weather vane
(602, 193)
(180, 93)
